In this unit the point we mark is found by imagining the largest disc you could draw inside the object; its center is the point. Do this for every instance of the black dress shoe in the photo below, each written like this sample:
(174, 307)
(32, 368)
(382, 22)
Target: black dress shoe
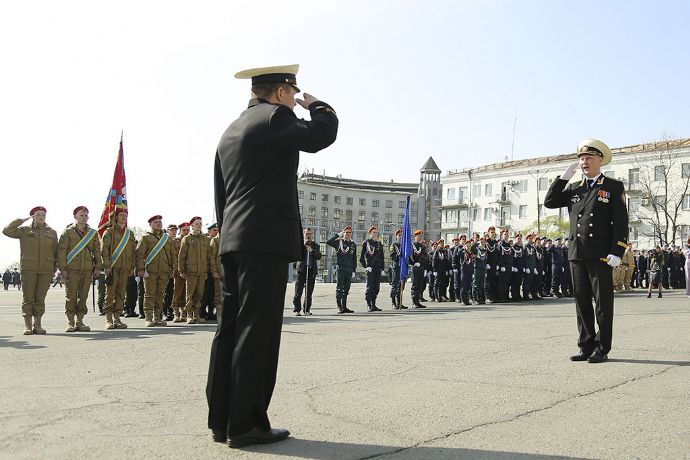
(257, 436)
(598, 357)
(219, 435)
(581, 357)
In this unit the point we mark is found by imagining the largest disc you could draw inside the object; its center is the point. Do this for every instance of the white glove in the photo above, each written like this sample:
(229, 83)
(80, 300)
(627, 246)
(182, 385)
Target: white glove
(353, 274)
(383, 272)
(526, 270)
(435, 273)
(503, 269)
(515, 270)
(614, 261)
(536, 272)
(136, 278)
(426, 273)
(563, 269)
(543, 273)
(488, 267)
(455, 270)
(449, 272)
(570, 171)
(369, 269)
(417, 265)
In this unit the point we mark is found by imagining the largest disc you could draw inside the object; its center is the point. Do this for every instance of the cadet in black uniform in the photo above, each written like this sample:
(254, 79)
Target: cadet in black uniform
(557, 262)
(466, 273)
(255, 183)
(598, 229)
(308, 264)
(431, 278)
(566, 281)
(371, 259)
(395, 252)
(518, 273)
(418, 260)
(479, 252)
(346, 264)
(455, 262)
(546, 274)
(492, 256)
(505, 267)
(439, 266)
(530, 270)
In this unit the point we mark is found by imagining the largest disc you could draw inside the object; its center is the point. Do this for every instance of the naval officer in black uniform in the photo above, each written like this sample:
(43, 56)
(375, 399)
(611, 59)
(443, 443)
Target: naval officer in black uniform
(598, 238)
(255, 179)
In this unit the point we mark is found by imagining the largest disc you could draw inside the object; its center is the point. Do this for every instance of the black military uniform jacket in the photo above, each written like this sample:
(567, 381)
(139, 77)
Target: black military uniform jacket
(314, 255)
(372, 255)
(419, 255)
(493, 254)
(505, 255)
(598, 217)
(439, 261)
(255, 176)
(518, 257)
(395, 252)
(345, 252)
(480, 255)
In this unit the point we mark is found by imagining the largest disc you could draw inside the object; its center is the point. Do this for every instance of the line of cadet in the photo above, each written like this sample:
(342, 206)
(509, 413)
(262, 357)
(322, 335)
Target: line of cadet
(480, 270)
(174, 272)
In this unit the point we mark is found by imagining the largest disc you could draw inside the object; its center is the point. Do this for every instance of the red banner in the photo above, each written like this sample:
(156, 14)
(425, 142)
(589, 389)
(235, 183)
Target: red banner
(117, 196)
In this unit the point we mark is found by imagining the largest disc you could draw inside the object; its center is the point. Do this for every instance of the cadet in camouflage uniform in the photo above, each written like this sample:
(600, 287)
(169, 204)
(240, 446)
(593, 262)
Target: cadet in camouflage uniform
(117, 270)
(38, 248)
(155, 264)
(179, 295)
(194, 263)
(79, 260)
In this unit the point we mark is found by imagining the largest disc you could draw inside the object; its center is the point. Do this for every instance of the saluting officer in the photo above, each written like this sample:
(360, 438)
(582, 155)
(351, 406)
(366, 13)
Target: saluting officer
(307, 266)
(119, 258)
(345, 266)
(371, 259)
(599, 229)
(38, 250)
(79, 260)
(395, 252)
(418, 260)
(155, 264)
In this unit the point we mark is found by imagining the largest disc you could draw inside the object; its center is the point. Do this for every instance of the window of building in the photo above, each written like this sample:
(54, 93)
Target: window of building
(362, 201)
(413, 217)
(336, 213)
(374, 216)
(401, 218)
(388, 228)
(543, 183)
(462, 215)
(312, 211)
(686, 202)
(301, 194)
(348, 214)
(522, 212)
(362, 216)
(312, 221)
(375, 203)
(521, 185)
(349, 201)
(401, 204)
(301, 209)
(659, 173)
(487, 213)
(434, 191)
(389, 217)
(360, 225)
(413, 205)
(450, 193)
(477, 190)
(360, 235)
(389, 203)
(324, 197)
(476, 212)
(634, 233)
(462, 194)
(685, 170)
(487, 190)
(660, 200)
(634, 176)
(336, 199)
(324, 212)
(451, 216)
(312, 196)
(634, 204)
(324, 234)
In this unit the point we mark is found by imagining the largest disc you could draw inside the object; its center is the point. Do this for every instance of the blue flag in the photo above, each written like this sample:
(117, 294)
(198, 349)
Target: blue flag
(406, 242)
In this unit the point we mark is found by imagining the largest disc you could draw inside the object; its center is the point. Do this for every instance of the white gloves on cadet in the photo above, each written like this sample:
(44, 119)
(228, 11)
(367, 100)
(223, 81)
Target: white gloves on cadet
(515, 270)
(369, 269)
(570, 171)
(417, 265)
(614, 261)
(488, 267)
(503, 269)
(435, 273)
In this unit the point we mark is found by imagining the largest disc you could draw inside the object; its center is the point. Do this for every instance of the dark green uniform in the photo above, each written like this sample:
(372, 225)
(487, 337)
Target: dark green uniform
(346, 264)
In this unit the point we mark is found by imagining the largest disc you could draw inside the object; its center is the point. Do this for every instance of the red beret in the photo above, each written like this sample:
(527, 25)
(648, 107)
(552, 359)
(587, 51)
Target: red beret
(347, 228)
(417, 232)
(457, 238)
(79, 208)
(398, 232)
(372, 228)
(152, 218)
(37, 208)
(195, 218)
(184, 224)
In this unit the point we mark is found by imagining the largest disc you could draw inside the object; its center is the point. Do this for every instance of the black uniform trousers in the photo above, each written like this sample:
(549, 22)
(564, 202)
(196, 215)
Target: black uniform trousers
(516, 279)
(503, 283)
(299, 289)
(417, 283)
(556, 278)
(244, 352)
(491, 282)
(395, 281)
(373, 284)
(343, 278)
(478, 281)
(592, 278)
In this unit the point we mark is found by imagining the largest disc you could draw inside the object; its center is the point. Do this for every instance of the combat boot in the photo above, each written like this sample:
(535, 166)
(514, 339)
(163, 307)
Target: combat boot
(109, 321)
(158, 321)
(344, 304)
(70, 324)
(373, 305)
(37, 325)
(150, 322)
(27, 325)
(191, 317)
(80, 326)
(177, 318)
(117, 323)
(340, 306)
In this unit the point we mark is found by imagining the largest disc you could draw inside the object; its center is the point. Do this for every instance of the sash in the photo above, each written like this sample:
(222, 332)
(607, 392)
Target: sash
(86, 239)
(120, 247)
(156, 249)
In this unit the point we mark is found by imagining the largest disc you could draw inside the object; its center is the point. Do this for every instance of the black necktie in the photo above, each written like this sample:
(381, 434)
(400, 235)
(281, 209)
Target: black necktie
(590, 183)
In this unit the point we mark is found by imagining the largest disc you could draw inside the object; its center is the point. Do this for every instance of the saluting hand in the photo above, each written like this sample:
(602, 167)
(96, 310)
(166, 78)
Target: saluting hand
(570, 171)
(307, 101)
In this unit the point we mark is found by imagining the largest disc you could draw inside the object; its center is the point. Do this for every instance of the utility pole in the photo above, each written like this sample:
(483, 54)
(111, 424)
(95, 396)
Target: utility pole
(536, 177)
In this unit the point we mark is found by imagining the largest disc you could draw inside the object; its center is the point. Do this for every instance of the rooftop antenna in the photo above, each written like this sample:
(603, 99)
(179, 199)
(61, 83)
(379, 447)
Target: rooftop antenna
(512, 147)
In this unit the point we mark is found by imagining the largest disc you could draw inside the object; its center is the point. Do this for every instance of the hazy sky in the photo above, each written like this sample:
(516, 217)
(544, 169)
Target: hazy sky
(408, 79)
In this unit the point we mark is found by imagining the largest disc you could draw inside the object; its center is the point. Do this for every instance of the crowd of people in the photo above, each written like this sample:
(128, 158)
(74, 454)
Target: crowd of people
(13, 278)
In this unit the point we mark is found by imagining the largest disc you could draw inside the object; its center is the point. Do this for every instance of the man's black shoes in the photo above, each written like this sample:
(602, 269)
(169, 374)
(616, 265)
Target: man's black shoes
(581, 357)
(219, 435)
(258, 436)
(598, 357)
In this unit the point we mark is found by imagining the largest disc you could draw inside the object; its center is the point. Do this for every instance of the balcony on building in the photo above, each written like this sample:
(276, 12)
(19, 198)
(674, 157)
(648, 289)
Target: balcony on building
(503, 198)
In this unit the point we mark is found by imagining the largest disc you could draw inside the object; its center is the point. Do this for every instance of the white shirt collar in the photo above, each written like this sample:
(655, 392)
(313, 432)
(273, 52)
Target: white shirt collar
(595, 178)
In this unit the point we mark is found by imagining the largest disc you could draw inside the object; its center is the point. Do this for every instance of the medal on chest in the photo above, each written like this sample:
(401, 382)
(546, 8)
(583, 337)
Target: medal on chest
(604, 196)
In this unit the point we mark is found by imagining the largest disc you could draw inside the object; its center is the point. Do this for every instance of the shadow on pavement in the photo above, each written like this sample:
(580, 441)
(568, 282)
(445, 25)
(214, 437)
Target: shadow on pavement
(649, 361)
(7, 342)
(303, 448)
(138, 333)
(332, 316)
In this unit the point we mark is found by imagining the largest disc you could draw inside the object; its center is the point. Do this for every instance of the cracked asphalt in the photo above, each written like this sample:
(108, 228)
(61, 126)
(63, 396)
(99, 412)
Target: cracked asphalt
(490, 382)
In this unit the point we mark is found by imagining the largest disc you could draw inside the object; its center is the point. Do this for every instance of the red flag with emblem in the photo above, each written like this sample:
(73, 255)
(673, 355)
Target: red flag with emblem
(117, 196)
